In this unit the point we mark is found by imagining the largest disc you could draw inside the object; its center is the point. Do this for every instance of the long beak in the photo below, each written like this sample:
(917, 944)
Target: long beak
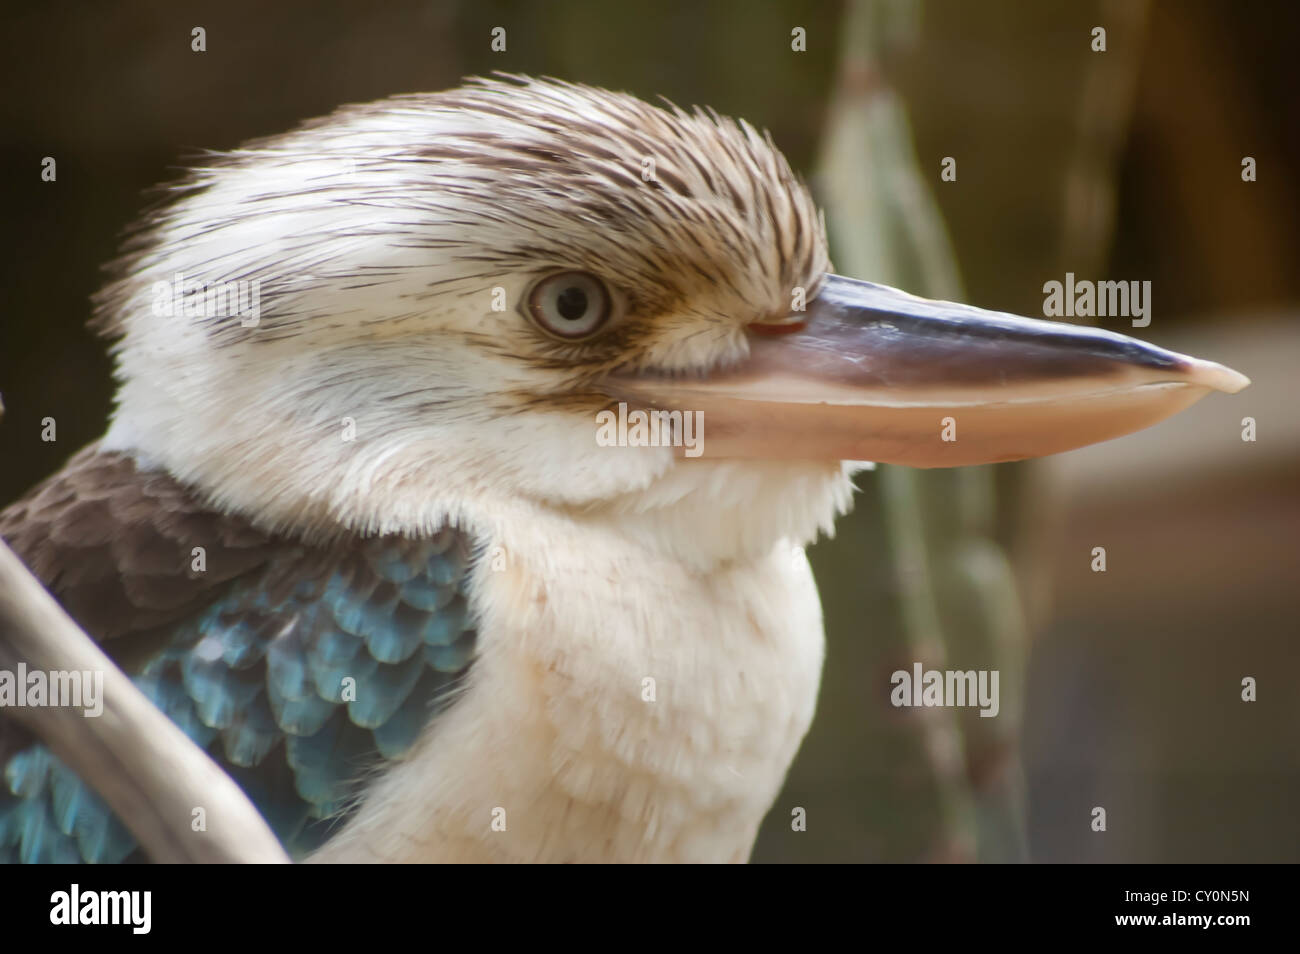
(872, 373)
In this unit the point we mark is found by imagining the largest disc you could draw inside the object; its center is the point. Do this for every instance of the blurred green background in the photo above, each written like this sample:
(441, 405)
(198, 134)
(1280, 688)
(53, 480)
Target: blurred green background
(1120, 689)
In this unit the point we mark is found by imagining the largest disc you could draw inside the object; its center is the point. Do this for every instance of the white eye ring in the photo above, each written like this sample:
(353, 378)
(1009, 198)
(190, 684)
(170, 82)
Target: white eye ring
(570, 305)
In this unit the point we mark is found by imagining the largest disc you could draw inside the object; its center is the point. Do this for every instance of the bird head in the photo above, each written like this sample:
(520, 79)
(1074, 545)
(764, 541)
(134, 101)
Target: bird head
(362, 322)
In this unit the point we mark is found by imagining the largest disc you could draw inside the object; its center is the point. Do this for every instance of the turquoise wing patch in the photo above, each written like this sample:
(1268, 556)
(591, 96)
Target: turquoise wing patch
(302, 678)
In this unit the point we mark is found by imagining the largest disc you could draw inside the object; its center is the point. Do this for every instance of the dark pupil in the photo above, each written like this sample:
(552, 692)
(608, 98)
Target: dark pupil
(572, 303)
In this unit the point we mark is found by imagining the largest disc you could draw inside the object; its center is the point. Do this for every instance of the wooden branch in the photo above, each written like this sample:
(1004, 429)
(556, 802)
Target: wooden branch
(148, 771)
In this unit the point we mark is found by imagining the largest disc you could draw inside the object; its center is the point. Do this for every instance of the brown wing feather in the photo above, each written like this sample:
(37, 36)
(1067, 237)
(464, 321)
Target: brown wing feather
(115, 546)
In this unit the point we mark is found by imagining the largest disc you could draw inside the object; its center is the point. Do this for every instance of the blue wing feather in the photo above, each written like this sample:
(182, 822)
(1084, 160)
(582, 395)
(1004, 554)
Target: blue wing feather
(300, 677)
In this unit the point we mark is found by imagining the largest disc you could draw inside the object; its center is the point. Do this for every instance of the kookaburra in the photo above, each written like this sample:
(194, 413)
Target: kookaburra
(361, 524)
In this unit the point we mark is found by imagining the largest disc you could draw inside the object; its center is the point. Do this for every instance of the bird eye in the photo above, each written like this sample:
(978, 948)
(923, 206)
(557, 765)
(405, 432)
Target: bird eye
(570, 305)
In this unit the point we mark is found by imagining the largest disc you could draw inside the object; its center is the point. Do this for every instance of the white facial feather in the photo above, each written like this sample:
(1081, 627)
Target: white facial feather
(378, 236)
